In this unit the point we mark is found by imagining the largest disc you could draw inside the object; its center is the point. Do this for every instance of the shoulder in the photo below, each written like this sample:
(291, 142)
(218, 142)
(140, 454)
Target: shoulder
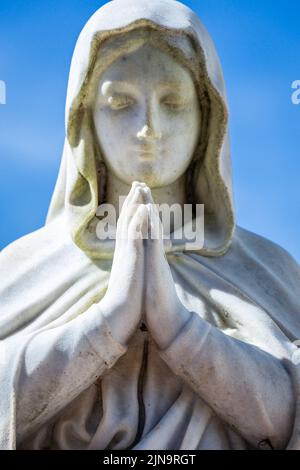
(42, 235)
(264, 251)
(31, 248)
(261, 245)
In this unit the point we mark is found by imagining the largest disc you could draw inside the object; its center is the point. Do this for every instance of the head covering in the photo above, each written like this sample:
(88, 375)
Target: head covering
(247, 286)
(81, 183)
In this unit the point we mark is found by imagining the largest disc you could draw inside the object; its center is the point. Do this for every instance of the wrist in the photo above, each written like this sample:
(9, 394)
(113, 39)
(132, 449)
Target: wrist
(168, 327)
(120, 319)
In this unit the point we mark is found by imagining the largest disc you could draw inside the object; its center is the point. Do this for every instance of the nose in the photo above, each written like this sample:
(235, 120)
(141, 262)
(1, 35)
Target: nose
(149, 130)
(147, 133)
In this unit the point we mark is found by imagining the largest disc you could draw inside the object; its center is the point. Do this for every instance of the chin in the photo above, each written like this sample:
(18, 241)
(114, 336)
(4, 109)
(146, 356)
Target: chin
(148, 176)
(152, 181)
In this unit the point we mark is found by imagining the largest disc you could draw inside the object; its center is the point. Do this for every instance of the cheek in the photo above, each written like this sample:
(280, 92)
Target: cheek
(182, 137)
(113, 133)
(183, 132)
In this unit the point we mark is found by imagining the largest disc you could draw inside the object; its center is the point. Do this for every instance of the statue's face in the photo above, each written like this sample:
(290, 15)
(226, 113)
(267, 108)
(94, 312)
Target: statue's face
(147, 117)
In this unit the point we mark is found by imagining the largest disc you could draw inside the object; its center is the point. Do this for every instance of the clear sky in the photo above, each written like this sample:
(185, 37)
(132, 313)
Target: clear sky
(258, 42)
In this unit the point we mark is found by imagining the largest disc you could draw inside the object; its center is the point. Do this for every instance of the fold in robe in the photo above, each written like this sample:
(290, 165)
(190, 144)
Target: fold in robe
(65, 382)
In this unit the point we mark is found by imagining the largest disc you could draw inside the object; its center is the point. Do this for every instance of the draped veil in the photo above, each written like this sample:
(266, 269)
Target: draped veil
(55, 274)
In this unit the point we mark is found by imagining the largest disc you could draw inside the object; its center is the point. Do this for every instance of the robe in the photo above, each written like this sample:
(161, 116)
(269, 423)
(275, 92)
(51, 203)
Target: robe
(66, 383)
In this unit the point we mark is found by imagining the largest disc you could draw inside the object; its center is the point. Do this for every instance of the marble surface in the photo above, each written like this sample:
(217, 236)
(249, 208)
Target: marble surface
(137, 342)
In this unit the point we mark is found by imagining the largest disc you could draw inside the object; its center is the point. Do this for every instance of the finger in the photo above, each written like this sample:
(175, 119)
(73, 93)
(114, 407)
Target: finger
(138, 225)
(131, 193)
(148, 195)
(134, 202)
(155, 226)
(156, 256)
(128, 209)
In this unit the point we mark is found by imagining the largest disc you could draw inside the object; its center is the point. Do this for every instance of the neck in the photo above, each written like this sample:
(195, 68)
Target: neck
(173, 193)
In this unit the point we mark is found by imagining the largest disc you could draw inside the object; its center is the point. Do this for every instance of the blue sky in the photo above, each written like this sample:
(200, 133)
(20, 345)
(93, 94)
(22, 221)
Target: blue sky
(258, 42)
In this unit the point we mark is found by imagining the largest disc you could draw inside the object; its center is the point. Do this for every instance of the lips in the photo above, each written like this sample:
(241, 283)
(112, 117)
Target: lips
(146, 151)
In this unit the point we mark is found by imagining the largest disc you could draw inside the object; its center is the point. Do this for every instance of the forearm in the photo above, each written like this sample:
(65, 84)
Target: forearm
(59, 363)
(247, 387)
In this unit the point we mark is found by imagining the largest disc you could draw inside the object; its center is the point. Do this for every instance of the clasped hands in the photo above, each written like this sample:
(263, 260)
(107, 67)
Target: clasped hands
(141, 286)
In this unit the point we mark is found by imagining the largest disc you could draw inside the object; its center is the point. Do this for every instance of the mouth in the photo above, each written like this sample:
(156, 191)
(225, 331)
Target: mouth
(146, 152)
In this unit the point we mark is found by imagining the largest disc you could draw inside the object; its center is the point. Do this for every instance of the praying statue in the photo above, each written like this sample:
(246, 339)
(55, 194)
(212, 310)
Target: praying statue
(147, 342)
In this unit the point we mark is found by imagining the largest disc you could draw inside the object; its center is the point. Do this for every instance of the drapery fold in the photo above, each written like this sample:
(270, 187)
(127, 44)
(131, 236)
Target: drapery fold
(51, 280)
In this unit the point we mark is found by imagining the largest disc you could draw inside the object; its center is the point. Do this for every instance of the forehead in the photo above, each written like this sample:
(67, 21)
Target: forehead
(147, 62)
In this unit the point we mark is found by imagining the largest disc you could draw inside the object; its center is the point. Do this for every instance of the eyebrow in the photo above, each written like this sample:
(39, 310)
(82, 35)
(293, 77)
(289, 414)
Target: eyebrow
(173, 85)
(109, 85)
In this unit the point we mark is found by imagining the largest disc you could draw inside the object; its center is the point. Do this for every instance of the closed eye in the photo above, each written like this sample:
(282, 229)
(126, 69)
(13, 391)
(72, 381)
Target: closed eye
(174, 102)
(120, 101)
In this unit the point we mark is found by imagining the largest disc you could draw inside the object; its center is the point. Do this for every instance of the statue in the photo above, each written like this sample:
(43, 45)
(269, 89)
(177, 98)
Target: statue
(138, 343)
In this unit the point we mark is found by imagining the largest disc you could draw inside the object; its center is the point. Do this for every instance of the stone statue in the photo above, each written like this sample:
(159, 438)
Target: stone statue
(136, 343)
